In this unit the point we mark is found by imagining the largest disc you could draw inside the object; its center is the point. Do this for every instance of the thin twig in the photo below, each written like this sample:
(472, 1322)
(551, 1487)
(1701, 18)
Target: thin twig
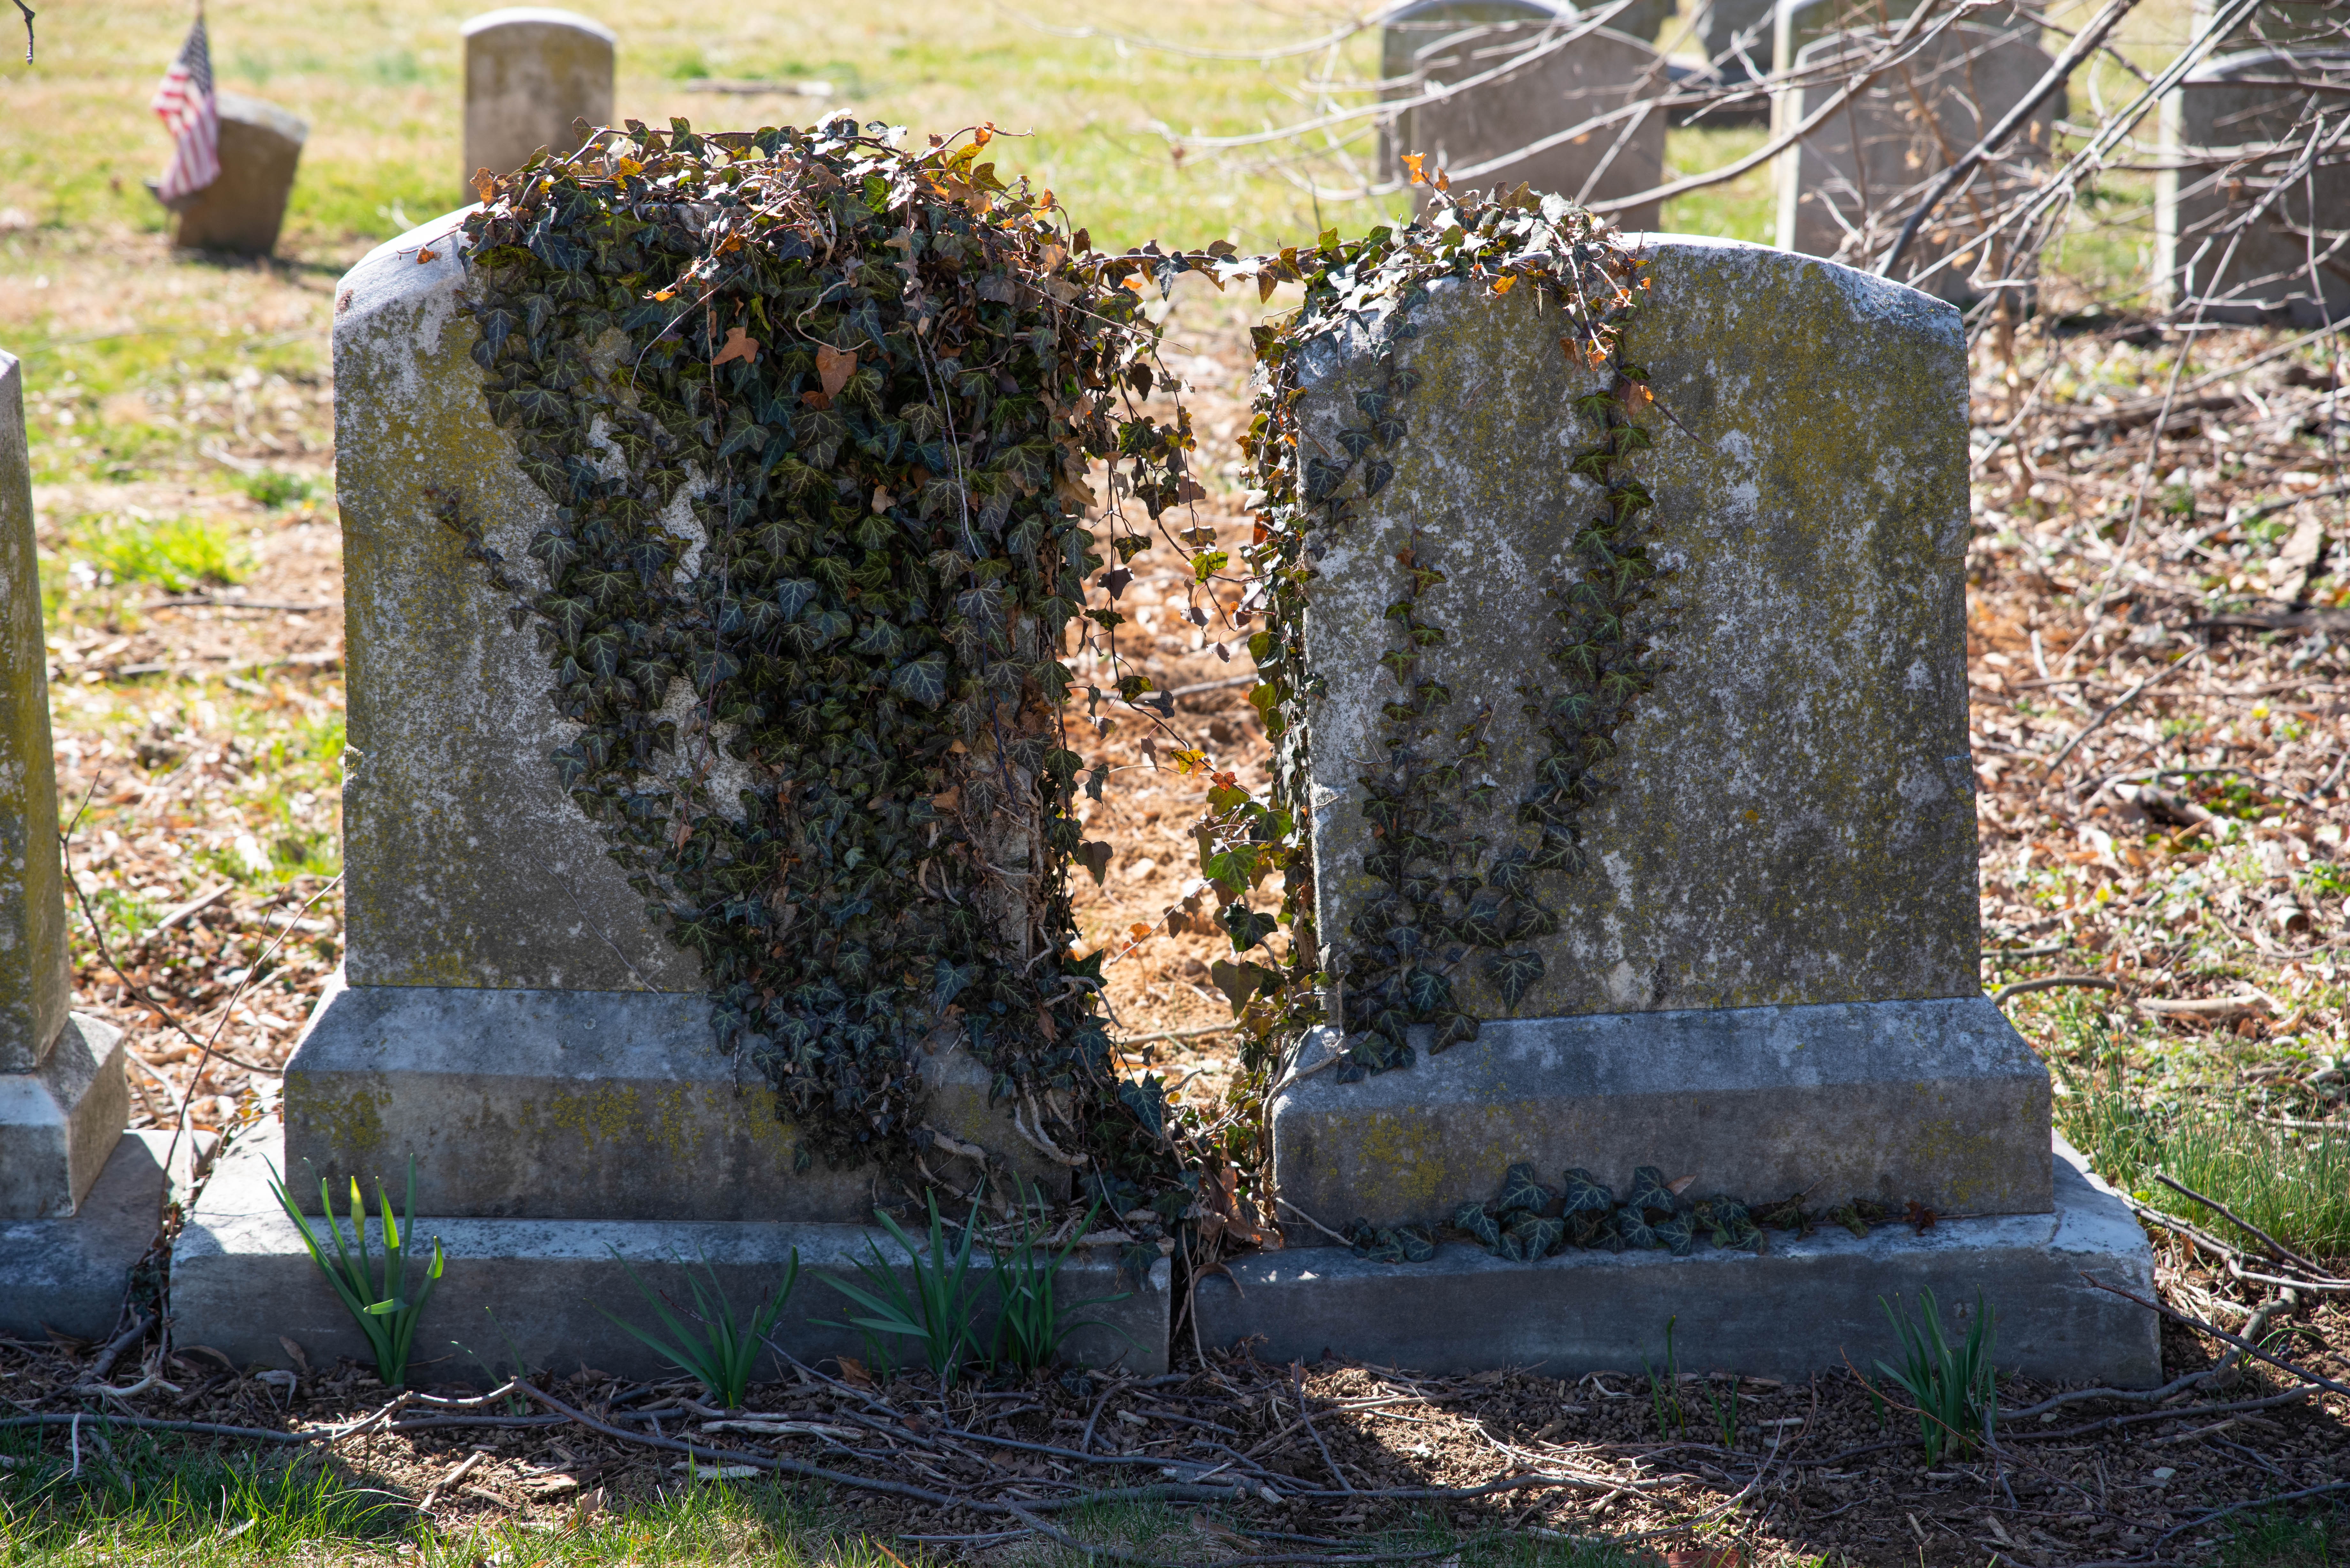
(2277, 1247)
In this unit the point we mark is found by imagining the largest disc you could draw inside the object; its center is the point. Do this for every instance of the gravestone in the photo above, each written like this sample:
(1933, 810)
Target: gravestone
(508, 1017)
(1473, 133)
(242, 211)
(1507, 25)
(2231, 109)
(530, 71)
(1845, 190)
(68, 1177)
(1738, 35)
(1765, 978)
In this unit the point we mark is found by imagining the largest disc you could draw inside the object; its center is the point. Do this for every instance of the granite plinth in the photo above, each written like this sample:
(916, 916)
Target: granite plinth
(58, 1123)
(240, 1279)
(69, 1274)
(578, 1105)
(1937, 1102)
(1803, 1306)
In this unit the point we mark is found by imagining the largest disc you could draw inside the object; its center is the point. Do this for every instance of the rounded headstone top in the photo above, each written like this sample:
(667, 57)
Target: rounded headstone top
(537, 16)
(269, 117)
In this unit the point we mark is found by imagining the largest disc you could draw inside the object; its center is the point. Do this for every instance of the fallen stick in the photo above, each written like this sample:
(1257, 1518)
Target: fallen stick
(2245, 1346)
(2052, 981)
(2277, 1249)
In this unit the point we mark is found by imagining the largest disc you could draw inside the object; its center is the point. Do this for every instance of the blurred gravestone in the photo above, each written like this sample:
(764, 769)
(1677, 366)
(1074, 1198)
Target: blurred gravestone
(1475, 134)
(1845, 190)
(63, 1181)
(242, 211)
(530, 71)
(2230, 132)
(1763, 979)
(1738, 37)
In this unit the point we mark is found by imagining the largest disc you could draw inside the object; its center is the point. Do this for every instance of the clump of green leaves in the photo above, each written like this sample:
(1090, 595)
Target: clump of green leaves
(275, 487)
(817, 415)
(937, 1311)
(709, 1344)
(176, 554)
(1953, 1388)
(1032, 1319)
(375, 1295)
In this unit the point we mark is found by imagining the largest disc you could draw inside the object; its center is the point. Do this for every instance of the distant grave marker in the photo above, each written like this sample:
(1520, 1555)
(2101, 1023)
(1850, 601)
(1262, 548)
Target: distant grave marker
(1473, 134)
(243, 211)
(1845, 188)
(530, 71)
(2227, 121)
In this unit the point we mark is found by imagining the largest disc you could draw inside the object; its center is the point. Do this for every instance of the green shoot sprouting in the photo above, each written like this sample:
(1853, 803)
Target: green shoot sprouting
(1665, 1392)
(1032, 1321)
(1955, 1390)
(715, 1349)
(940, 1312)
(377, 1299)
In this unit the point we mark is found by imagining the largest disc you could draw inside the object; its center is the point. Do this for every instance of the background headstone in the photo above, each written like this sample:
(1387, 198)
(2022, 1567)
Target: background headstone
(2244, 100)
(1767, 977)
(530, 71)
(1411, 28)
(1731, 25)
(1845, 190)
(1576, 82)
(260, 144)
(62, 1097)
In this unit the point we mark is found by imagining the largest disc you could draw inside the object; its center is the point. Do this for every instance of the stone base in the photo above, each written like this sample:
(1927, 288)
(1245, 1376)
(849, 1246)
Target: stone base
(1803, 1306)
(59, 1122)
(1941, 1101)
(69, 1274)
(582, 1104)
(241, 1279)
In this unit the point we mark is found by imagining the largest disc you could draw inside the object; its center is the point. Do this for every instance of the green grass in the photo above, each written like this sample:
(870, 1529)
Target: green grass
(2277, 1539)
(2294, 1185)
(167, 1501)
(175, 554)
(156, 1499)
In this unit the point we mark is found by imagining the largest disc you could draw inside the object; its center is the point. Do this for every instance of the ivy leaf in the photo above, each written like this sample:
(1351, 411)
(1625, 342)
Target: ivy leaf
(1470, 1219)
(1651, 1193)
(1239, 981)
(794, 595)
(1514, 974)
(1584, 1195)
(1245, 928)
(1535, 1236)
(949, 981)
(923, 679)
(1674, 1233)
(1522, 1190)
(1094, 855)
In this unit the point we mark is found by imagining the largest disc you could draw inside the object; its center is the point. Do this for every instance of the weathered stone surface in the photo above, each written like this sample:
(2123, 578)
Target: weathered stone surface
(1845, 190)
(468, 865)
(2216, 115)
(260, 145)
(1937, 1102)
(1797, 23)
(59, 1122)
(576, 1105)
(1803, 1306)
(1473, 134)
(33, 995)
(530, 71)
(240, 1279)
(1738, 37)
(1792, 821)
(70, 1274)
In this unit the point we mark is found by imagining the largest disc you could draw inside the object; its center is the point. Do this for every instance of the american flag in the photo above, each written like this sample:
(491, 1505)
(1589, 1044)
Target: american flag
(185, 104)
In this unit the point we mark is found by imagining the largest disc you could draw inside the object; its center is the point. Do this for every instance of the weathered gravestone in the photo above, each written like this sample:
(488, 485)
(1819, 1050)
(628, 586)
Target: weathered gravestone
(530, 71)
(1738, 38)
(79, 1202)
(508, 1017)
(1845, 190)
(1477, 134)
(242, 211)
(1764, 979)
(2227, 133)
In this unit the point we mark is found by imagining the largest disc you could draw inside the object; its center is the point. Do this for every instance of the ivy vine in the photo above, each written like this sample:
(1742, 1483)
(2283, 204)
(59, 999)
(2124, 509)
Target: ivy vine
(818, 417)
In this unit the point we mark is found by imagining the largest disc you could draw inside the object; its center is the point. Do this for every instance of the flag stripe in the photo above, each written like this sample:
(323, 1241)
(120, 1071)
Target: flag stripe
(184, 101)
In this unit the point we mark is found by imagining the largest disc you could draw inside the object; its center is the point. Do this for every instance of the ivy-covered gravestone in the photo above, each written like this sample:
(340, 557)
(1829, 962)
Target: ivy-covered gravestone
(1635, 739)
